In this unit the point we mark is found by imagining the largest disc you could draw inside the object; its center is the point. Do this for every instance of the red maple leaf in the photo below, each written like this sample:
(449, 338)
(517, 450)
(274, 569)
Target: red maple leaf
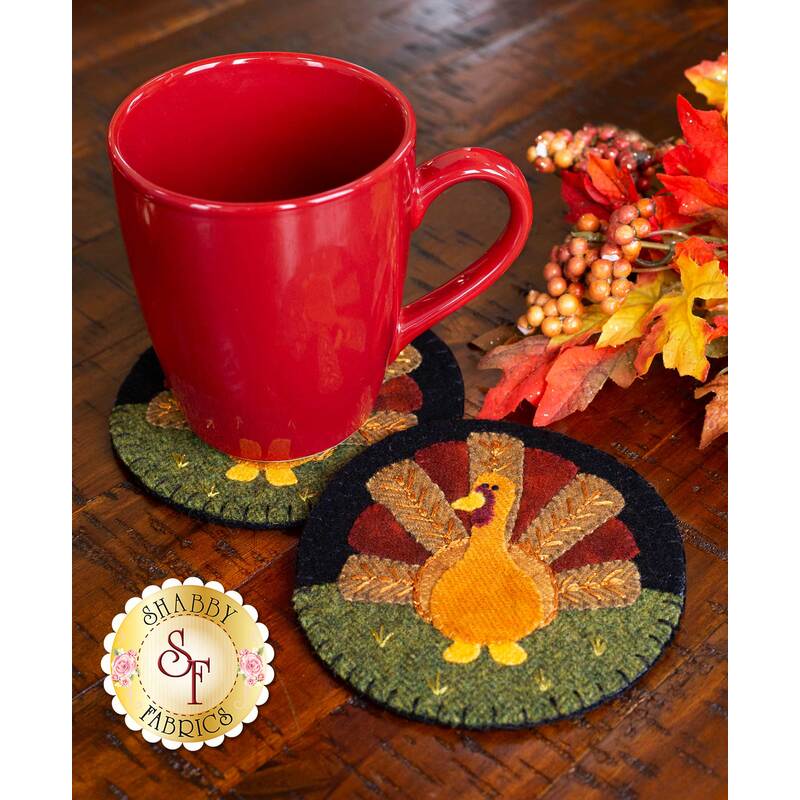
(525, 365)
(719, 327)
(701, 252)
(599, 190)
(696, 173)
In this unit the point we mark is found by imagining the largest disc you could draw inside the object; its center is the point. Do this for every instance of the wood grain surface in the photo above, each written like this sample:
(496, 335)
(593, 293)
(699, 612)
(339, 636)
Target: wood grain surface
(478, 72)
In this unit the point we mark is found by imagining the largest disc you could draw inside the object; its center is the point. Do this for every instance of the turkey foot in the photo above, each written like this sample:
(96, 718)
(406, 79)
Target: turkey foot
(507, 653)
(462, 652)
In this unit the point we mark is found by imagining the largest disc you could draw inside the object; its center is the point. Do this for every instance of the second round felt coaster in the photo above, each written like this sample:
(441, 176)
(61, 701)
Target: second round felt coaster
(487, 575)
(152, 438)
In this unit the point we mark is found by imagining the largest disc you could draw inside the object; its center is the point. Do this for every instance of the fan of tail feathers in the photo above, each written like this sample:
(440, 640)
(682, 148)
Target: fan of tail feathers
(564, 520)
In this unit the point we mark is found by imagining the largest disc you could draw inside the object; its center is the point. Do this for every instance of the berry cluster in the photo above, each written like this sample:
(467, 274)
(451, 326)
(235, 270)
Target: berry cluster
(564, 150)
(594, 264)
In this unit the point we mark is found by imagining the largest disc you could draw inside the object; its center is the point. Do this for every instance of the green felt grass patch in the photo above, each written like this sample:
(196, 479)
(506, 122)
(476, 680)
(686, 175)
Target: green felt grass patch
(582, 658)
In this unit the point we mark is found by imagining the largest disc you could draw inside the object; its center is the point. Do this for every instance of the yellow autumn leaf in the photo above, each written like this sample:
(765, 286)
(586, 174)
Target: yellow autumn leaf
(683, 336)
(710, 78)
(629, 322)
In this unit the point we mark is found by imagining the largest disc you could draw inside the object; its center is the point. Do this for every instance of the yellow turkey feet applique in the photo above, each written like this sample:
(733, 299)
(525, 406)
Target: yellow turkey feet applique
(277, 473)
(477, 586)
(461, 653)
(510, 654)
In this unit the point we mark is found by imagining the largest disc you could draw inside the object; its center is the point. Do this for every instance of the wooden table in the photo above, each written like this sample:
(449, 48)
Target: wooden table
(478, 72)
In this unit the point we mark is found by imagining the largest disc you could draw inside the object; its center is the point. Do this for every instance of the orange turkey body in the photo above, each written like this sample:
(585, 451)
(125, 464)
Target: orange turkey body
(483, 591)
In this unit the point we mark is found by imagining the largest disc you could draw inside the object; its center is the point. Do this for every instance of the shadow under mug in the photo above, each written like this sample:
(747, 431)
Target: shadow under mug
(266, 201)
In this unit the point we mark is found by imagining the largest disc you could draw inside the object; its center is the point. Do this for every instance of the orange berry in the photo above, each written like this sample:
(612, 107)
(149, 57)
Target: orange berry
(626, 214)
(568, 305)
(578, 246)
(611, 251)
(551, 270)
(588, 222)
(534, 316)
(544, 164)
(632, 249)
(646, 207)
(602, 268)
(550, 308)
(530, 297)
(551, 327)
(576, 266)
(542, 299)
(564, 158)
(622, 268)
(598, 291)
(556, 286)
(620, 287)
(522, 325)
(576, 289)
(571, 325)
(609, 305)
(641, 227)
(624, 234)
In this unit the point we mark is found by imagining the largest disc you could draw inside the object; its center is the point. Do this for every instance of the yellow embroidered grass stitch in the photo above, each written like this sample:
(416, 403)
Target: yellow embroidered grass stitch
(436, 685)
(381, 638)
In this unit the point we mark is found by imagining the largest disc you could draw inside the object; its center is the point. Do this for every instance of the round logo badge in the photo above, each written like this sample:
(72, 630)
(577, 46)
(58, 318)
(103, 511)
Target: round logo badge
(188, 663)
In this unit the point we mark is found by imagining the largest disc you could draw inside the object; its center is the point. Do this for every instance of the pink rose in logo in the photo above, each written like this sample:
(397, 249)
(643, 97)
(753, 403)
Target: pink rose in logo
(124, 666)
(252, 666)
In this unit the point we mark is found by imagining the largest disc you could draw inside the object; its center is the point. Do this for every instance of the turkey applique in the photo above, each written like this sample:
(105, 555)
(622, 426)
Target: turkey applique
(489, 565)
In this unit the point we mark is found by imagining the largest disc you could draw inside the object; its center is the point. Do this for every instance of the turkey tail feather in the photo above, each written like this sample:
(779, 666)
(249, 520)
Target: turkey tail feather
(371, 579)
(581, 507)
(611, 584)
(417, 503)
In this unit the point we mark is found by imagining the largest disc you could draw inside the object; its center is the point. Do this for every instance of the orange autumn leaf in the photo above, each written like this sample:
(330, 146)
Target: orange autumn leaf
(700, 251)
(578, 374)
(719, 327)
(677, 333)
(710, 78)
(609, 182)
(716, 420)
(524, 365)
(696, 173)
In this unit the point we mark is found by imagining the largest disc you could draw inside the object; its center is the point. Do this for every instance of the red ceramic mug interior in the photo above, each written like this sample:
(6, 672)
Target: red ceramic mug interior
(266, 202)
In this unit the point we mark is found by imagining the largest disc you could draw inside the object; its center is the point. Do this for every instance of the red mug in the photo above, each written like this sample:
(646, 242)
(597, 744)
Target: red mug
(267, 201)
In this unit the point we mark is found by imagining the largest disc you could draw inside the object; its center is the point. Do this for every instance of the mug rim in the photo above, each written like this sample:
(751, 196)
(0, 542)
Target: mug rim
(200, 204)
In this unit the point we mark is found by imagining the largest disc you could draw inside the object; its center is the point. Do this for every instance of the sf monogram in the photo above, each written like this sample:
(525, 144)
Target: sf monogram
(193, 665)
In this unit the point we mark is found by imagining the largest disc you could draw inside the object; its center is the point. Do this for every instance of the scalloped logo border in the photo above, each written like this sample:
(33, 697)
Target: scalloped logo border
(147, 733)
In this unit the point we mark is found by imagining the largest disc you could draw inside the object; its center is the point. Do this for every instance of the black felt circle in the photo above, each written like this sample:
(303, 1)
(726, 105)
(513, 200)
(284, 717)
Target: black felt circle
(324, 549)
(151, 455)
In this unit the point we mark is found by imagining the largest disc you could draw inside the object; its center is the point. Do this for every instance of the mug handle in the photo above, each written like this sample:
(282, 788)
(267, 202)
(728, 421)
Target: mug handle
(433, 178)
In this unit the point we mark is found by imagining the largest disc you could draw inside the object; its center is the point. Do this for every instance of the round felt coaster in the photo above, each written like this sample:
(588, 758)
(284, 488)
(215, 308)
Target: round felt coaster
(152, 438)
(489, 575)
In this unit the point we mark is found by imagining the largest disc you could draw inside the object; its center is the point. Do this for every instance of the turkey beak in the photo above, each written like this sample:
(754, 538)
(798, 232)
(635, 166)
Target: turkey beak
(469, 503)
